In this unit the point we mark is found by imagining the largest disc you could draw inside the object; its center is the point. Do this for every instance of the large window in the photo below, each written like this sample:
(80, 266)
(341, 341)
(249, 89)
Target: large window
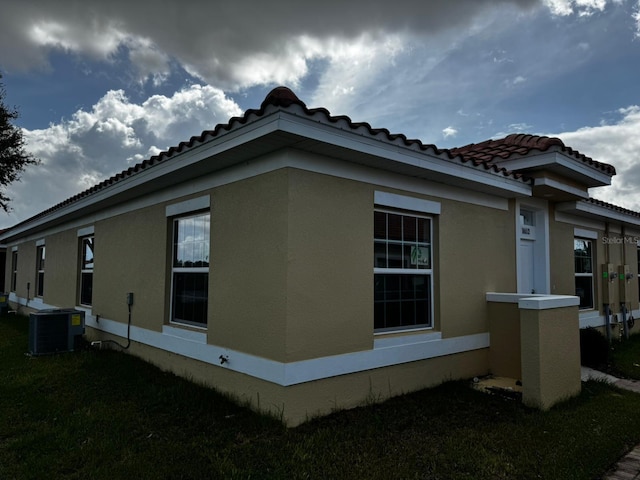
(402, 271)
(14, 270)
(190, 269)
(86, 270)
(583, 255)
(40, 271)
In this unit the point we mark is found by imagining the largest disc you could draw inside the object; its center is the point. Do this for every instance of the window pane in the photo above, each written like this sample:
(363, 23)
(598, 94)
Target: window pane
(190, 297)
(395, 226)
(380, 225)
(87, 253)
(584, 290)
(583, 258)
(394, 256)
(424, 230)
(380, 255)
(86, 288)
(409, 228)
(401, 301)
(191, 247)
(40, 286)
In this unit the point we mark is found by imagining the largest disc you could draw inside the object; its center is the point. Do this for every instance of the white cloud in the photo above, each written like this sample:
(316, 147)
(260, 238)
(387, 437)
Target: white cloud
(583, 8)
(449, 132)
(636, 18)
(617, 144)
(94, 145)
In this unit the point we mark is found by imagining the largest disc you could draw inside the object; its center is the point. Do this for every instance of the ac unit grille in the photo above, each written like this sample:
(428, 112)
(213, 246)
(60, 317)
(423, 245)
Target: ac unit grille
(54, 331)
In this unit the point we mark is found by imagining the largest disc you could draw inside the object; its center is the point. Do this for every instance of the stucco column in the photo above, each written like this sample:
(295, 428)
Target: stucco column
(550, 349)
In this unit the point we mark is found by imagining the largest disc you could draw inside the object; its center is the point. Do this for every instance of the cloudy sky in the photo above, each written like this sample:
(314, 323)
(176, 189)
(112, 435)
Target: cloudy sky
(103, 85)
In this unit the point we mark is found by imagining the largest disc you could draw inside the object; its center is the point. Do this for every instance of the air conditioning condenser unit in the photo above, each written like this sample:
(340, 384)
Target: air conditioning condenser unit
(55, 330)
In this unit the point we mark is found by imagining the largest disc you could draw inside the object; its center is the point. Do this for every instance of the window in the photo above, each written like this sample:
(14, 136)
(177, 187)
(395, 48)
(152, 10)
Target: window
(190, 270)
(40, 271)
(402, 271)
(14, 270)
(583, 255)
(86, 270)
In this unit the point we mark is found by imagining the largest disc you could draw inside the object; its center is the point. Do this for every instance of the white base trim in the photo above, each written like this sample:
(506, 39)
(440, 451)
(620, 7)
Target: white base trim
(593, 318)
(387, 352)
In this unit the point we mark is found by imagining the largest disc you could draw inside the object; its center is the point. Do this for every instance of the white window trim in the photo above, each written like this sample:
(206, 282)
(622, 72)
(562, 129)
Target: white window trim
(421, 208)
(403, 202)
(182, 215)
(85, 270)
(188, 206)
(586, 234)
(86, 232)
(590, 275)
(38, 270)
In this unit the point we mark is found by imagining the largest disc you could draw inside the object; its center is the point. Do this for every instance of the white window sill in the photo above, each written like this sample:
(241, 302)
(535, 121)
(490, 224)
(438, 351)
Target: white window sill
(405, 337)
(183, 333)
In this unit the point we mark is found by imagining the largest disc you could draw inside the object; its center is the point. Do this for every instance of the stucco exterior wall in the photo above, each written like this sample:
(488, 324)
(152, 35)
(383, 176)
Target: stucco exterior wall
(330, 266)
(26, 270)
(131, 256)
(550, 338)
(296, 404)
(473, 260)
(561, 261)
(249, 259)
(505, 350)
(61, 269)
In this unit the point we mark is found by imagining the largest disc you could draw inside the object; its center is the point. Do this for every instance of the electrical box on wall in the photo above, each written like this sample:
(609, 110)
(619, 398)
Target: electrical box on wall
(609, 276)
(624, 277)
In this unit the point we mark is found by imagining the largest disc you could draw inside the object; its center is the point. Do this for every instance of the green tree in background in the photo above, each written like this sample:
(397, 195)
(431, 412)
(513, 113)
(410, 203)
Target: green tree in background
(13, 157)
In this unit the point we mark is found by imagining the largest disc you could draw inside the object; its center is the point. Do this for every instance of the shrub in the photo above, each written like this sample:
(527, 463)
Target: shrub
(594, 348)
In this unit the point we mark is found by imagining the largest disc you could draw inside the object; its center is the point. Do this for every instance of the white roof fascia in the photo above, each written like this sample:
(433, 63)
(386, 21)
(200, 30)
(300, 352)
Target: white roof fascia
(167, 166)
(401, 154)
(548, 182)
(279, 120)
(548, 158)
(598, 211)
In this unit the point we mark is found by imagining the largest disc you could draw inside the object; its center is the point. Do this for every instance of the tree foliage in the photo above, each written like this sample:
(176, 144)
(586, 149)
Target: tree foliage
(13, 156)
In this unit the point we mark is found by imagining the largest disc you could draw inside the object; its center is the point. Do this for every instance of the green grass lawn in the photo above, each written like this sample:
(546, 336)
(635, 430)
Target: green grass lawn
(625, 357)
(104, 414)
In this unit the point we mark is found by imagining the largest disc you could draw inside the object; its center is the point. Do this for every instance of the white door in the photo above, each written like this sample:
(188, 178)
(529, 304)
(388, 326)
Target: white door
(526, 269)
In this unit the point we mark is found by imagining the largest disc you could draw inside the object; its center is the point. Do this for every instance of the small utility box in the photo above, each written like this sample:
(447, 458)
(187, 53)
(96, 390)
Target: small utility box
(55, 330)
(4, 303)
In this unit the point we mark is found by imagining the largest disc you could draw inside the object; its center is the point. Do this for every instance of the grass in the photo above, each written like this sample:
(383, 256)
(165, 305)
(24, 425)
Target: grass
(104, 414)
(625, 357)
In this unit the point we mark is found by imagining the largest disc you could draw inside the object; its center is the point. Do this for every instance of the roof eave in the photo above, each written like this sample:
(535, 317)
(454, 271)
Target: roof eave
(590, 210)
(569, 166)
(307, 132)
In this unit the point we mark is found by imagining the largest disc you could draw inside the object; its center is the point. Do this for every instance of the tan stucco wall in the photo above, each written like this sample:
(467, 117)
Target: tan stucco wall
(130, 256)
(248, 279)
(473, 260)
(504, 331)
(561, 264)
(550, 355)
(61, 269)
(298, 403)
(330, 266)
(26, 269)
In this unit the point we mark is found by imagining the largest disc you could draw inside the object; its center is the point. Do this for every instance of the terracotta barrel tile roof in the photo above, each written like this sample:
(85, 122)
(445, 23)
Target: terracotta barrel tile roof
(523, 144)
(612, 207)
(480, 155)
